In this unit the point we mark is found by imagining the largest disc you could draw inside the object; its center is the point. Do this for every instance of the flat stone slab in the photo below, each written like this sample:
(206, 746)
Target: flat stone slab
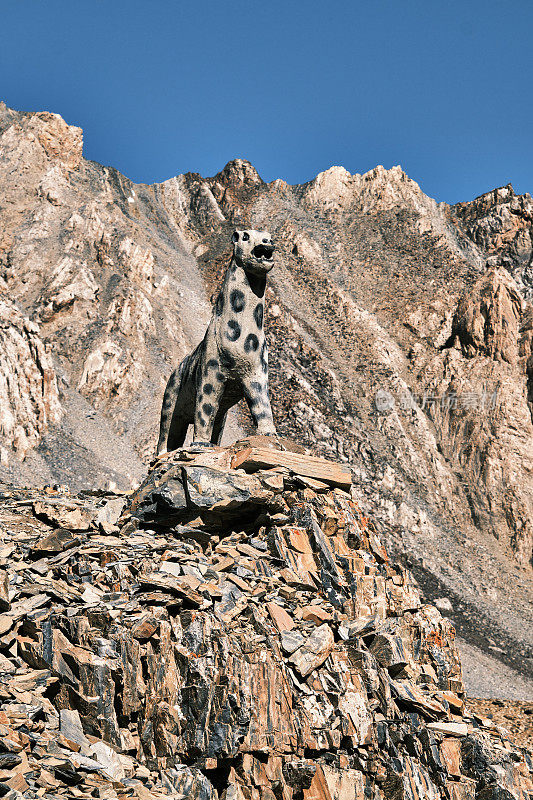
(329, 472)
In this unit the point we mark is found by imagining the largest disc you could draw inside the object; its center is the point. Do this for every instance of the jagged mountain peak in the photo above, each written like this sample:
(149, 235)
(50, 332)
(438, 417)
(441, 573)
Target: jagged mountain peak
(377, 189)
(239, 173)
(58, 141)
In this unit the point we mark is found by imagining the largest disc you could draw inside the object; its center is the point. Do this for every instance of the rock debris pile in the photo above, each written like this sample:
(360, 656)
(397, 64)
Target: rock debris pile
(227, 634)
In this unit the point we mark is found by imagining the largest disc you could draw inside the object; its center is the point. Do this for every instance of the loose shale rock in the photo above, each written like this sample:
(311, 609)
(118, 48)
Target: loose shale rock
(266, 649)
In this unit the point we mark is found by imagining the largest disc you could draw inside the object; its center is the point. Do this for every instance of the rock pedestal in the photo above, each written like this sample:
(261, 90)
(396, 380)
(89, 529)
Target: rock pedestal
(232, 636)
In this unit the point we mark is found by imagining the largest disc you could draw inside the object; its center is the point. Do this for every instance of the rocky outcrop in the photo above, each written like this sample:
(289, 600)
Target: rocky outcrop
(250, 639)
(380, 189)
(489, 318)
(485, 422)
(62, 143)
(29, 398)
(501, 224)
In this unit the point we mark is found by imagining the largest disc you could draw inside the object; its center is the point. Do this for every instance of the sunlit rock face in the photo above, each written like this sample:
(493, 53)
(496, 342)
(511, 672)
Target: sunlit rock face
(399, 337)
(29, 399)
(501, 224)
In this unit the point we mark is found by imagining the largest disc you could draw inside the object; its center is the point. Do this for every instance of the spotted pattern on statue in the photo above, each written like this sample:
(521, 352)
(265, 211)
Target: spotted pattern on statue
(231, 361)
(251, 343)
(258, 315)
(237, 300)
(234, 330)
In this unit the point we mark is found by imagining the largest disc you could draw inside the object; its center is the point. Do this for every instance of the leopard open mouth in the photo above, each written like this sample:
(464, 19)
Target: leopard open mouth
(263, 251)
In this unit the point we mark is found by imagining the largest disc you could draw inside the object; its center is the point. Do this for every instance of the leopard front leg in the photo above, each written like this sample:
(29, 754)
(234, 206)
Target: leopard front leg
(255, 389)
(208, 401)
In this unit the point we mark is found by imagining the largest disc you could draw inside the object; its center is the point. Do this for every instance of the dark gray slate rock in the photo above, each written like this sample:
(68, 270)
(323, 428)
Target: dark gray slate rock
(173, 493)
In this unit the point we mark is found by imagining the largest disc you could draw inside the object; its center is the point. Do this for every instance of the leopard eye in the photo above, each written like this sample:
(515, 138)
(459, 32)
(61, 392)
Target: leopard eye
(245, 237)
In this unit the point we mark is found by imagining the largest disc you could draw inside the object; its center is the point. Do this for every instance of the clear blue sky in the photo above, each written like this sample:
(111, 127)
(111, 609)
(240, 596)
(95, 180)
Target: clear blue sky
(442, 87)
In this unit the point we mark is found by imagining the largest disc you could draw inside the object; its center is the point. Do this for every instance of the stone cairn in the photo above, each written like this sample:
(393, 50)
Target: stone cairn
(232, 631)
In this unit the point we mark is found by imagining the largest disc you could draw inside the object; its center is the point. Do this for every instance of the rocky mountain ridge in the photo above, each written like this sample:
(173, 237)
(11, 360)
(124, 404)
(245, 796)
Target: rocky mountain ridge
(394, 345)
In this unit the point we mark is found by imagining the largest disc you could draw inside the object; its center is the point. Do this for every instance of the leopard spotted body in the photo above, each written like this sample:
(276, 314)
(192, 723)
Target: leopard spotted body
(231, 362)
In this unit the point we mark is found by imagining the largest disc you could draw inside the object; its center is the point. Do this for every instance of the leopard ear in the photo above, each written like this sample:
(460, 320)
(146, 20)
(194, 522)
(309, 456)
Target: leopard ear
(236, 236)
